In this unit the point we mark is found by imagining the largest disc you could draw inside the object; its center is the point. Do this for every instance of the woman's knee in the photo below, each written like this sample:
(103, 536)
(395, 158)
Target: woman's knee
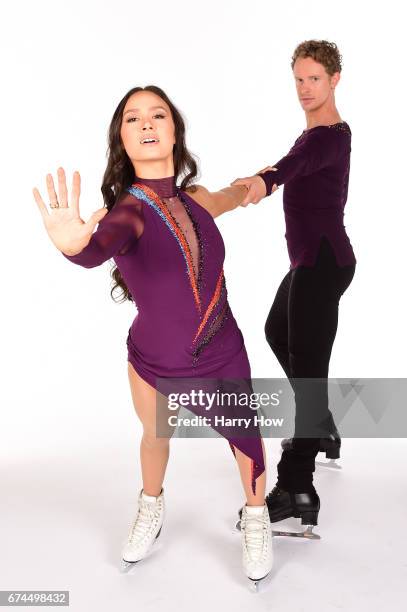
(151, 441)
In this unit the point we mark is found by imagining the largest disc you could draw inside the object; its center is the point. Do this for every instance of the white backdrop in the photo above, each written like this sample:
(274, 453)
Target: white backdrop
(226, 65)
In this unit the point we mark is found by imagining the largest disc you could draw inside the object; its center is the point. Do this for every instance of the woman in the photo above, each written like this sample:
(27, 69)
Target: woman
(169, 256)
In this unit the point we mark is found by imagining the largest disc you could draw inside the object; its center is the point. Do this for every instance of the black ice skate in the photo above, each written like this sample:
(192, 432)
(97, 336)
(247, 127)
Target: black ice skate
(283, 504)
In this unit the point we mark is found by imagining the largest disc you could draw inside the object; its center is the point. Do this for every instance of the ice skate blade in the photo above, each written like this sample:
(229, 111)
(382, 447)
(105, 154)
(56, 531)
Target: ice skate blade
(329, 464)
(256, 583)
(126, 566)
(307, 533)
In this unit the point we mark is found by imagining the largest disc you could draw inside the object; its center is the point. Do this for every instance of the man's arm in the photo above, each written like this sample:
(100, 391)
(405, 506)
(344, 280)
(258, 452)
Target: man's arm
(310, 154)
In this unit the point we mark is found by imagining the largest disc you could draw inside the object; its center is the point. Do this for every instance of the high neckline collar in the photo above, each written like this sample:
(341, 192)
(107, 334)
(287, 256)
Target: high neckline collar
(164, 187)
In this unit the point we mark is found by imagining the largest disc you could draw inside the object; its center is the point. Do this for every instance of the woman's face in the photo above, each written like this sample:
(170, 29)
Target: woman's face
(147, 116)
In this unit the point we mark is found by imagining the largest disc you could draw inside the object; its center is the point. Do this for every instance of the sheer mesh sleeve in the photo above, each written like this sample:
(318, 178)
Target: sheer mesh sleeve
(116, 233)
(308, 155)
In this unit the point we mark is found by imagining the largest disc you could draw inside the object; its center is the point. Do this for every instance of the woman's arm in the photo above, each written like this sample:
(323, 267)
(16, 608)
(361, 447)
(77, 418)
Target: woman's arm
(219, 202)
(75, 238)
(116, 233)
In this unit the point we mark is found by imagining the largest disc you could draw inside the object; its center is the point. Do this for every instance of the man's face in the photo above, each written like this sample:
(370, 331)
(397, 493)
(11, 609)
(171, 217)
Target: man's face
(314, 85)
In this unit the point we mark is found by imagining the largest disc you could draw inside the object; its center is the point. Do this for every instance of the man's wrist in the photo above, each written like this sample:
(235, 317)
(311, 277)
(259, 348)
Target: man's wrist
(267, 183)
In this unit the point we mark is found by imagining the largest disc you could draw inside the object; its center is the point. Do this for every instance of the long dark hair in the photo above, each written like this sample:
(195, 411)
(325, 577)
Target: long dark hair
(119, 173)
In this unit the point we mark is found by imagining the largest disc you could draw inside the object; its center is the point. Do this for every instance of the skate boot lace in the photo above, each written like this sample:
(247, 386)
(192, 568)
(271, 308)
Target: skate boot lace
(146, 520)
(254, 528)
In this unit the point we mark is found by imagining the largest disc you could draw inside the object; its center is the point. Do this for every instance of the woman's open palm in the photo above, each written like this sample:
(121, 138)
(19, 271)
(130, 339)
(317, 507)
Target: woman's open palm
(69, 233)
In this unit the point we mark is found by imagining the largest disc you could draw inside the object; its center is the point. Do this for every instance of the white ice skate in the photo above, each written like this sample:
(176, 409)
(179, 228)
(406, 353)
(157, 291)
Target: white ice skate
(256, 544)
(145, 529)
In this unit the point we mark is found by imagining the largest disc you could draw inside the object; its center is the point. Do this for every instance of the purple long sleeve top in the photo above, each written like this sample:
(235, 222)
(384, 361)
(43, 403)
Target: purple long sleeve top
(315, 174)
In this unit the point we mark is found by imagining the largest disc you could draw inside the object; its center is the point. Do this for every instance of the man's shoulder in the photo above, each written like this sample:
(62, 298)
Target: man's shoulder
(326, 136)
(328, 132)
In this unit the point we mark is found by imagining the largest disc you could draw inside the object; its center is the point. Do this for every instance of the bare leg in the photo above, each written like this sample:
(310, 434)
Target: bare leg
(244, 463)
(154, 452)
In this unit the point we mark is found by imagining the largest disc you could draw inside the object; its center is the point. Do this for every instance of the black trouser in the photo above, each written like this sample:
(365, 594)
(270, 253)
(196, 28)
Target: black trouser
(300, 329)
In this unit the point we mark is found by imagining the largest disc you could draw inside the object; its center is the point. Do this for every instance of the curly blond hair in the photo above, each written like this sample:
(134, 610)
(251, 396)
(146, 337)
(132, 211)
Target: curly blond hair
(322, 51)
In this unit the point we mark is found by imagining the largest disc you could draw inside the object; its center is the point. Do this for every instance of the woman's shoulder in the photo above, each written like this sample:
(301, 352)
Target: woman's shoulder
(130, 200)
(127, 209)
(202, 195)
(198, 191)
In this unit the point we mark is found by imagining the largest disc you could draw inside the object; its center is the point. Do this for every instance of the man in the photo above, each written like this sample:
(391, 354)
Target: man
(302, 322)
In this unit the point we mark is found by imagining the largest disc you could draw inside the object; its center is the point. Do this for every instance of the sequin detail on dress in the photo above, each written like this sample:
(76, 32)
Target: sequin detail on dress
(212, 304)
(151, 198)
(253, 467)
(216, 324)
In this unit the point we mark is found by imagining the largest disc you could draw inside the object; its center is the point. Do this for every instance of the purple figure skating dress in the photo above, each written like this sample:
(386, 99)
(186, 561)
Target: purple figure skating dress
(170, 254)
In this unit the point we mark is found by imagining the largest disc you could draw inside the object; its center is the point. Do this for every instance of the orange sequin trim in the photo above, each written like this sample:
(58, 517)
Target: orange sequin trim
(211, 306)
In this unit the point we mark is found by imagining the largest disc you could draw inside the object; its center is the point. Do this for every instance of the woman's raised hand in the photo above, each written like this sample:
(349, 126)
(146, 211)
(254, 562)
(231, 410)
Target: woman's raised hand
(256, 187)
(69, 233)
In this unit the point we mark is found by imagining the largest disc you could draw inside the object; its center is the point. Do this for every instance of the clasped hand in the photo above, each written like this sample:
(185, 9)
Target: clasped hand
(256, 187)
